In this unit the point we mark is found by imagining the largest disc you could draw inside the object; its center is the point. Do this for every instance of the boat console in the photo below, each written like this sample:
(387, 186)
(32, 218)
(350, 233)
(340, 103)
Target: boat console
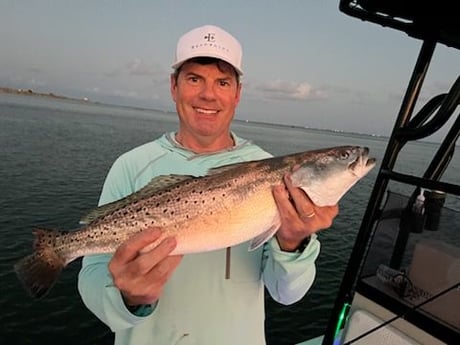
(402, 283)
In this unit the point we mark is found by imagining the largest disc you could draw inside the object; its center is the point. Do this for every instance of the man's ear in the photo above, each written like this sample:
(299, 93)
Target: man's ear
(173, 86)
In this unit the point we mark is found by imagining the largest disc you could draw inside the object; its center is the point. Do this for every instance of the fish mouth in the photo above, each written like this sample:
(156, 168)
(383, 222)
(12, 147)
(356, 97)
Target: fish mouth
(363, 163)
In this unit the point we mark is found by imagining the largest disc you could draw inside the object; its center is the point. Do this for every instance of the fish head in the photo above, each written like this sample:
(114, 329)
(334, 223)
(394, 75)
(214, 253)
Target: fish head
(326, 175)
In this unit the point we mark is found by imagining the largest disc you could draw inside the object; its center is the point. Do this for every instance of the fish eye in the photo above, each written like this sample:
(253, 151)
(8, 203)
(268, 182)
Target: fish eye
(345, 154)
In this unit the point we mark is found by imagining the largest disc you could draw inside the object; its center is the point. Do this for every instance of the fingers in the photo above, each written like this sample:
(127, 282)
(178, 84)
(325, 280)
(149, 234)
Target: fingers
(298, 213)
(164, 269)
(130, 260)
(307, 216)
(131, 248)
(282, 200)
(302, 205)
(141, 275)
(325, 216)
(305, 207)
(147, 261)
(147, 288)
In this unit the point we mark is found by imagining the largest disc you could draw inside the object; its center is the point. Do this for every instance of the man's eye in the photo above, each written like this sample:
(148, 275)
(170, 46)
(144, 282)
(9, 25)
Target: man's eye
(224, 83)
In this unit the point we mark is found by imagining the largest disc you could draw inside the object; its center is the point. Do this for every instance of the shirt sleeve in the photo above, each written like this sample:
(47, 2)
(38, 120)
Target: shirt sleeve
(95, 283)
(117, 184)
(98, 293)
(288, 276)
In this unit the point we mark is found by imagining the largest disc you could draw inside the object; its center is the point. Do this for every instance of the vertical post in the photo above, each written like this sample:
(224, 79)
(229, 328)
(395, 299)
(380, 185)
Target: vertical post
(346, 291)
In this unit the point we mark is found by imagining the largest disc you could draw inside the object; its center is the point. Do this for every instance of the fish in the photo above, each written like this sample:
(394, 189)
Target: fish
(229, 205)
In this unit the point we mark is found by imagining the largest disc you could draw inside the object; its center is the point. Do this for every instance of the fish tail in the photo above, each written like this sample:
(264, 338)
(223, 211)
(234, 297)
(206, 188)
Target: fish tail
(39, 271)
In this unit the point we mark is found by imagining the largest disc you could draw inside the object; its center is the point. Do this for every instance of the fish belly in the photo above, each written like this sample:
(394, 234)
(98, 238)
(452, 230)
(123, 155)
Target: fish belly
(233, 224)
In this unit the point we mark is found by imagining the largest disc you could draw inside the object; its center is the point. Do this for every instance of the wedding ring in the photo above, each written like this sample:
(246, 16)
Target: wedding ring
(311, 215)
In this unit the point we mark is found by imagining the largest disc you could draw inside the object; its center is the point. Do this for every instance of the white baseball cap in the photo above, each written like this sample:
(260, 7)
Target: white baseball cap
(209, 41)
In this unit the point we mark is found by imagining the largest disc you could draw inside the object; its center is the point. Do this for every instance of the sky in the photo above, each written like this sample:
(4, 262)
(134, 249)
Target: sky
(305, 62)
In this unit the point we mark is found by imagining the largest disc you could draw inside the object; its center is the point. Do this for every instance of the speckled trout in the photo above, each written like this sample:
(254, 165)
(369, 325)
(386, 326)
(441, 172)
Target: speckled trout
(230, 205)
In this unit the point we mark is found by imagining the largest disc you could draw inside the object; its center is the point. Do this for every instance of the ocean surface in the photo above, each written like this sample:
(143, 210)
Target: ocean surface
(54, 156)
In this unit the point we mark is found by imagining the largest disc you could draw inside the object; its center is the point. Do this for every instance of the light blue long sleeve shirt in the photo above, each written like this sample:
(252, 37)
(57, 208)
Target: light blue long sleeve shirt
(198, 305)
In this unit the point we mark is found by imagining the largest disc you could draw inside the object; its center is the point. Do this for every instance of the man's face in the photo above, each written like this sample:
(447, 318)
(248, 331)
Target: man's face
(206, 98)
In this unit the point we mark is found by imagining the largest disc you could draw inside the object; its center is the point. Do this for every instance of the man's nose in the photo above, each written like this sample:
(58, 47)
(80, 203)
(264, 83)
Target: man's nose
(208, 91)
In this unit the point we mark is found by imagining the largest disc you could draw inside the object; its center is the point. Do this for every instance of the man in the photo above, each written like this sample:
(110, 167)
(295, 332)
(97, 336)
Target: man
(207, 298)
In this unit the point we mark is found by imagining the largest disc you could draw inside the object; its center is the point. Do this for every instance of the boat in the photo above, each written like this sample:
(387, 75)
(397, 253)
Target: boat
(402, 281)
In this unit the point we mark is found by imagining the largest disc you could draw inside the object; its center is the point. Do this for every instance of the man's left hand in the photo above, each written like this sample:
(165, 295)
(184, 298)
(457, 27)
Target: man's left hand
(300, 217)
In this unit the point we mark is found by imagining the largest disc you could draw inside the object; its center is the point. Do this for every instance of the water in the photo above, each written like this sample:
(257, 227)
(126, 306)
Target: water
(54, 156)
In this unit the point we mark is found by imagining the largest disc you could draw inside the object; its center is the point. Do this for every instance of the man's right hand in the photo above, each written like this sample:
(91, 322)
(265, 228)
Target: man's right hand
(141, 276)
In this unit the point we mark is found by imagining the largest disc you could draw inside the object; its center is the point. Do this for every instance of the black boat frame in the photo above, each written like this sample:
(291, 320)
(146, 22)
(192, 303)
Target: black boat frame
(433, 24)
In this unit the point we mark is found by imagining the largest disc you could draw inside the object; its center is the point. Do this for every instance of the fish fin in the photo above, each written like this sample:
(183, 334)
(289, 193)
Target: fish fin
(163, 181)
(259, 240)
(156, 184)
(39, 271)
(227, 167)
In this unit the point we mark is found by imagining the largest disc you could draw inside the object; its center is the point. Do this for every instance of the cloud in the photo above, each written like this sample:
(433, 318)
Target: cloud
(125, 93)
(22, 81)
(431, 89)
(94, 89)
(34, 82)
(135, 67)
(113, 73)
(290, 90)
(34, 69)
(139, 67)
(428, 91)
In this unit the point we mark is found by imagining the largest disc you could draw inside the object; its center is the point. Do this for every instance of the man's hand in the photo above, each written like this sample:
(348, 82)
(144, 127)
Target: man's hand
(300, 217)
(140, 277)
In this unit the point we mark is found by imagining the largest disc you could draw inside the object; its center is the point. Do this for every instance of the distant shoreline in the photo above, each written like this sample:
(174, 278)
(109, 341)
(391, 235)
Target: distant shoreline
(85, 100)
(30, 92)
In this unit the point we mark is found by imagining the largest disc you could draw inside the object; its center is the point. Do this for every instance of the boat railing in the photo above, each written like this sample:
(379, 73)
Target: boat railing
(434, 24)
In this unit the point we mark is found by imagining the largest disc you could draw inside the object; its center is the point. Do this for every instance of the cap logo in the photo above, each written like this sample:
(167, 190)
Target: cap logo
(209, 37)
